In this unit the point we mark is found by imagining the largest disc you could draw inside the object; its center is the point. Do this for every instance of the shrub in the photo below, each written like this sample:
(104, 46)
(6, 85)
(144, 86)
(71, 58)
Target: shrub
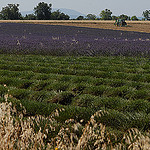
(39, 132)
(9, 81)
(39, 85)
(19, 93)
(123, 92)
(140, 105)
(40, 96)
(25, 84)
(3, 90)
(78, 88)
(142, 94)
(60, 86)
(84, 100)
(96, 90)
(63, 98)
(117, 83)
(114, 103)
(65, 78)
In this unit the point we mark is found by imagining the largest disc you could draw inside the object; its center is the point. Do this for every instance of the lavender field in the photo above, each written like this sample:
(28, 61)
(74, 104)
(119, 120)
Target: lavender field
(52, 99)
(17, 38)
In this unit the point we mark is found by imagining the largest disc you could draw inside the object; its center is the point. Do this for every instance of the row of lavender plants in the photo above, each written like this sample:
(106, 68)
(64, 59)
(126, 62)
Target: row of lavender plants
(83, 85)
(18, 131)
(20, 38)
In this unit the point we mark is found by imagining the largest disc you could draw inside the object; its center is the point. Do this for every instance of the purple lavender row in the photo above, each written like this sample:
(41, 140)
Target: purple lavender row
(66, 40)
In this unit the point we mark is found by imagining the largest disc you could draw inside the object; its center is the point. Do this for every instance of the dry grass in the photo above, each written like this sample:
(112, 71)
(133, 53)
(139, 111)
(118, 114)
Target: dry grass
(139, 26)
(17, 132)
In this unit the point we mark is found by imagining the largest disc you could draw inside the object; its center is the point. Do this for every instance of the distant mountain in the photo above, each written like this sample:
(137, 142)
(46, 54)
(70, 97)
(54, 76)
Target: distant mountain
(140, 18)
(72, 13)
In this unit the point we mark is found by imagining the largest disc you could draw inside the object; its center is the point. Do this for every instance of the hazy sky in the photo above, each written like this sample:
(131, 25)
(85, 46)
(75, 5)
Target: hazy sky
(118, 7)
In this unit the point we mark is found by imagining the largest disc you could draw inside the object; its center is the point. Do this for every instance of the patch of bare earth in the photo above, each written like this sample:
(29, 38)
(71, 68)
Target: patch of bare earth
(138, 26)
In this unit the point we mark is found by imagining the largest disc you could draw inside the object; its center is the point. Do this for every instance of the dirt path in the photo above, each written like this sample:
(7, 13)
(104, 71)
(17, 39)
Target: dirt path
(139, 26)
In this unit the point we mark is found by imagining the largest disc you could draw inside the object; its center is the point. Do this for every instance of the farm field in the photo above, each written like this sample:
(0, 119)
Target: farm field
(137, 26)
(17, 38)
(82, 86)
(71, 81)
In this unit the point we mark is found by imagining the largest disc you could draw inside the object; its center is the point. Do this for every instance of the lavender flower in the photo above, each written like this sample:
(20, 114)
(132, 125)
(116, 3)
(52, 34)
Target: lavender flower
(66, 40)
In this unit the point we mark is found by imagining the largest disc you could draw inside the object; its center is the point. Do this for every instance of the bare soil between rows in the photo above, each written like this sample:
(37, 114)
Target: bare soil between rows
(137, 26)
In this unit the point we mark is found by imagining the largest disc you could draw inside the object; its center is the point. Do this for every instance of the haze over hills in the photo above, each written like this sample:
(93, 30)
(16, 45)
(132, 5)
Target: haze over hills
(72, 13)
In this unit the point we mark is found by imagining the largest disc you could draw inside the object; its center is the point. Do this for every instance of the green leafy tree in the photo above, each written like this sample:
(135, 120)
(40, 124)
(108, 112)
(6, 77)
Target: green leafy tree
(43, 11)
(114, 17)
(106, 14)
(146, 14)
(124, 17)
(134, 18)
(64, 16)
(30, 17)
(10, 12)
(57, 15)
(91, 17)
(80, 18)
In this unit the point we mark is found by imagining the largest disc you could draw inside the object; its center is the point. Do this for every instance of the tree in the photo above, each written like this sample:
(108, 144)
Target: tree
(114, 17)
(124, 17)
(134, 18)
(10, 12)
(30, 17)
(106, 14)
(57, 15)
(80, 18)
(146, 14)
(91, 17)
(43, 11)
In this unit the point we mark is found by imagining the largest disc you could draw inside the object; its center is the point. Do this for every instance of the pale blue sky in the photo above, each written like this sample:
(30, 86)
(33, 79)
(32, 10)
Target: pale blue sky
(128, 7)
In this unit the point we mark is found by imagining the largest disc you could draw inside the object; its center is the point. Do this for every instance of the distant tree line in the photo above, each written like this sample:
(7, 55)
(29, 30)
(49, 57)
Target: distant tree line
(106, 15)
(43, 12)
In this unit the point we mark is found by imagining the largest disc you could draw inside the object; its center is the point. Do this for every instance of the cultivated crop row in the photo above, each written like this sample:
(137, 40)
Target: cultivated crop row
(17, 38)
(116, 84)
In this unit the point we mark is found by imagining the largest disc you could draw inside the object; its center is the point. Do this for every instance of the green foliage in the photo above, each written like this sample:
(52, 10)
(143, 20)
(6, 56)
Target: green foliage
(57, 15)
(76, 113)
(134, 18)
(19, 93)
(106, 14)
(91, 17)
(122, 121)
(146, 14)
(78, 88)
(40, 96)
(30, 17)
(124, 17)
(96, 90)
(84, 100)
(10, 12)
(39, 85)
(80, 18)
(43, 11)
(3, 90)
(34, 107)
(138, 106)
(81, 85)
(114, 17)
(63, 98)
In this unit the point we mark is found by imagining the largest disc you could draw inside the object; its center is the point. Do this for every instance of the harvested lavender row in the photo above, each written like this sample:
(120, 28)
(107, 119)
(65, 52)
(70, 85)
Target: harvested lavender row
(20, 38)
